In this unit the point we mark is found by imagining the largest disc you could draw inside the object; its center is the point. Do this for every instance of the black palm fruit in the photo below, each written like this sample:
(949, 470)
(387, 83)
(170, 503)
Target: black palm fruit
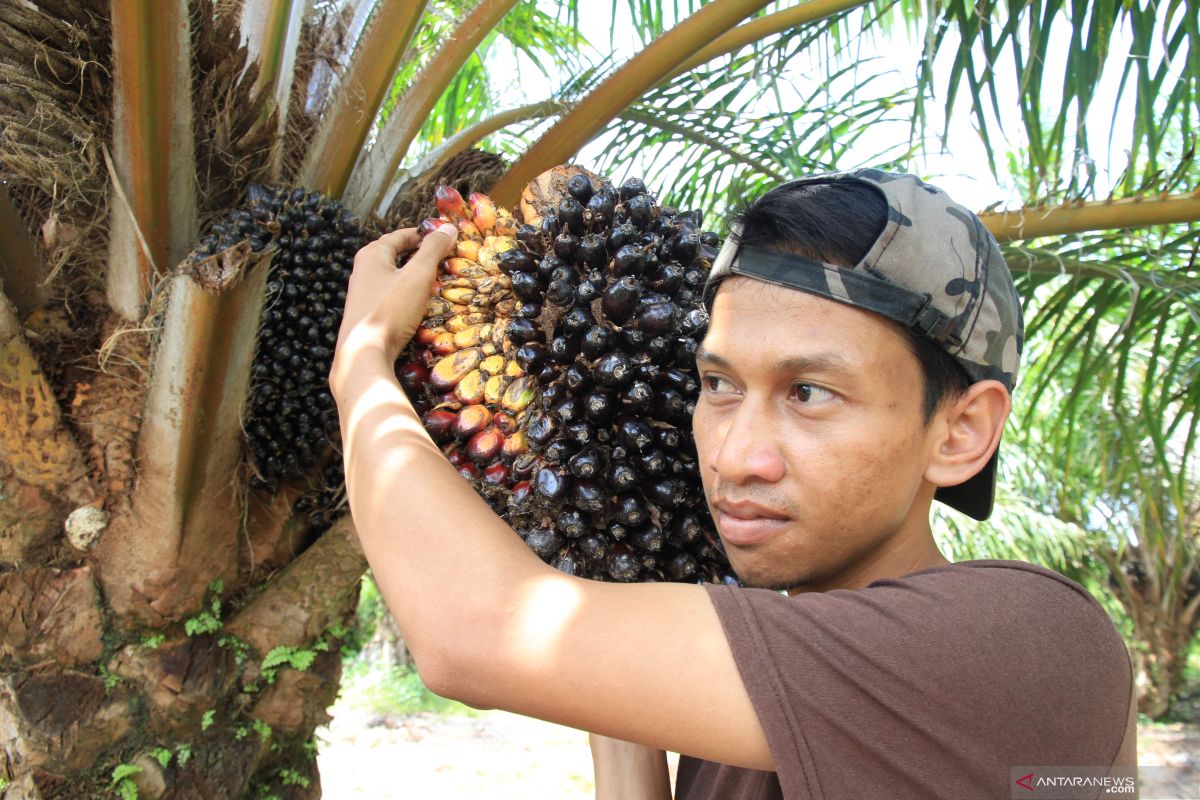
(631, 188)
(621, 236)
(575, 323)
(597, 341)
(580, 187)
(621, 298)
(570, 214)
(600, 208)
(290, 414)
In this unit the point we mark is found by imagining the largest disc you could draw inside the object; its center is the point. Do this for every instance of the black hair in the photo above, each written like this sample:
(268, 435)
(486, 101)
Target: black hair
(838, 223)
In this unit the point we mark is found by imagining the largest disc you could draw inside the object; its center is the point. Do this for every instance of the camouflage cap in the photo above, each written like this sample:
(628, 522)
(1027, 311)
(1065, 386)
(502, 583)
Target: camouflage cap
(935, 268)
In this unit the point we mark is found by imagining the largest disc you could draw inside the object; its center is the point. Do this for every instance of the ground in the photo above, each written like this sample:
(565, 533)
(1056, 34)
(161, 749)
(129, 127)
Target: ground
(506, 757)
(496, 755)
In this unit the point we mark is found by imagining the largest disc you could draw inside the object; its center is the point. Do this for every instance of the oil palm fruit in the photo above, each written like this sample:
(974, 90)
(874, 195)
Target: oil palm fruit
(554, 368)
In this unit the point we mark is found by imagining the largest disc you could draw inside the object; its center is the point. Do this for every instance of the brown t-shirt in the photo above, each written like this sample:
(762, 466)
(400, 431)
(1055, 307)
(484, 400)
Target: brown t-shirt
(931, 685)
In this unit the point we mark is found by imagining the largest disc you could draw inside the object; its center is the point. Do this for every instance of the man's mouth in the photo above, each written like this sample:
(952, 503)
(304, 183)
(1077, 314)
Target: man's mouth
(746, 523)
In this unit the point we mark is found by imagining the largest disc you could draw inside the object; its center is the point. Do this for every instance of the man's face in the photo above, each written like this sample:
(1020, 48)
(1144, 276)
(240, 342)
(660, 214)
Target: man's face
(810, 435)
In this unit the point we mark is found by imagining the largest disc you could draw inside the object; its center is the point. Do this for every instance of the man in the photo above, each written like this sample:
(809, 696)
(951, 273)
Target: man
(863, 344)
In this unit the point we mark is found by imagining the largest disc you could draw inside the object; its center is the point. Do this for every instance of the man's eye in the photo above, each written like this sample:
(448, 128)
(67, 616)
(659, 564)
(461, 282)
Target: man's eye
(713, 383)
(808, 393)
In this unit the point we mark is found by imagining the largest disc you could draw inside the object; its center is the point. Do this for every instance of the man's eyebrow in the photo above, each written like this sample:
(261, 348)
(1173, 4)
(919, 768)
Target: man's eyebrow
(819, 362)
(710, 357)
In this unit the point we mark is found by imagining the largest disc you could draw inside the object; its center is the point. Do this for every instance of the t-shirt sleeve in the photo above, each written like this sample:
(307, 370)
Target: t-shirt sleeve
(935, 684)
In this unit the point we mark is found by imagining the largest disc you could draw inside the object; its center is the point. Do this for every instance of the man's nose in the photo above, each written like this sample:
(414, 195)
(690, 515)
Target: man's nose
(748, 449)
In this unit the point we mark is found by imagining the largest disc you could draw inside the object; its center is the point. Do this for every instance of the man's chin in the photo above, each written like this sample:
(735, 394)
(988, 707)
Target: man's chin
(760, 578)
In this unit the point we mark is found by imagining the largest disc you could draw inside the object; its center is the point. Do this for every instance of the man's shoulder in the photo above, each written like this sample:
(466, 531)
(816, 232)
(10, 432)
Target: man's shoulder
(996, 572)
(1023, 604)
(1018, 590)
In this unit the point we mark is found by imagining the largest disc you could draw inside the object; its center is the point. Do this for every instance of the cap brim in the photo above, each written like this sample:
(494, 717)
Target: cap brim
(975, 497)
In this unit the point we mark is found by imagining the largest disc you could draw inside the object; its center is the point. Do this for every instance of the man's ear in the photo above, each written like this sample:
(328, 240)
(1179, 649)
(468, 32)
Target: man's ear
(969, 429)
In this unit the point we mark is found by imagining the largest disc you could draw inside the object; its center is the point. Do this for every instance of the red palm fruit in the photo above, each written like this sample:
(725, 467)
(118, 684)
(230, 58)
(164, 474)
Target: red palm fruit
(505, 226)
(469, 471)
(429, 226)
(456, 456)
(483, 211)
(440, 424)
(470, 389)
(457, 266)
(505, 423)
(467, 229)
(485, 445)
(468, 249)
(450, 203)
(496, 474)
(471, 420)
(412, 376)
(519, 394)
(514, 445)
(425, 336)
(520, 492)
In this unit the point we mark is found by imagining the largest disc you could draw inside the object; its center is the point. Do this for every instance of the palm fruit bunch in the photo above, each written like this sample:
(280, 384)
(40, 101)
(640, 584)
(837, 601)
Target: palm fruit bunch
(555, 369)
(292, 419)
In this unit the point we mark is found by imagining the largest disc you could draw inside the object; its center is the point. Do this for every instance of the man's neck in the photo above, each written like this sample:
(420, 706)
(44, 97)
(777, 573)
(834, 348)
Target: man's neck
(898, 556)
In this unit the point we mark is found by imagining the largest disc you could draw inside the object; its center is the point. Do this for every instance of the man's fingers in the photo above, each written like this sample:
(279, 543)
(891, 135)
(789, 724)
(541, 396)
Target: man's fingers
(400, 241)
(439, 243)
(434, 247)
(380, 255)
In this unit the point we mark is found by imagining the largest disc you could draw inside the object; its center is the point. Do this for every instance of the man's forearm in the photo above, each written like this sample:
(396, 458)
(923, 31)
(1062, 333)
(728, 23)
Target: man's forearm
(424, 530)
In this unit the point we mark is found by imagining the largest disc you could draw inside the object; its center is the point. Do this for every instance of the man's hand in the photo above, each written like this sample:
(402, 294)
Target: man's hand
(384, 305)
(628, 771)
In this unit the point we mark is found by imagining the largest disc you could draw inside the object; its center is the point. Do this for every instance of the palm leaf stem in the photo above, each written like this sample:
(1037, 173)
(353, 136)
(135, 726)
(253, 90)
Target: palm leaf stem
(153, 161)
(468, 136)
(189, 443)
(1024, 261)
(758, 29)
(683, 131)
(314, 588)
(347, 122)
(645, 70)
(375, 168)
(1033, 222)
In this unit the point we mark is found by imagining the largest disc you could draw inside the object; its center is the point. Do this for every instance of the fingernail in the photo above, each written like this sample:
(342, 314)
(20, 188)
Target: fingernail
(449, 229)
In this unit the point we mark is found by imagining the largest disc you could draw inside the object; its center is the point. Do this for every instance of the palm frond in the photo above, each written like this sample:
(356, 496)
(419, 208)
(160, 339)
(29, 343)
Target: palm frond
(1110, 396)
(1017, 530)
(1000, 56)
(715, 134)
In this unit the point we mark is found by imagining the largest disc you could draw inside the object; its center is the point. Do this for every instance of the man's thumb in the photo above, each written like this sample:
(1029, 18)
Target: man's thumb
(440, 243)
